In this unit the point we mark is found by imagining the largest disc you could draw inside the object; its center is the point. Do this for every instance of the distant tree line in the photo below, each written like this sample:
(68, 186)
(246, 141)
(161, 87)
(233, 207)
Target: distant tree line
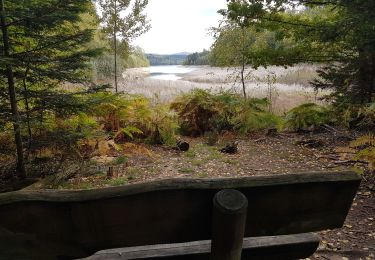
(198, 58)
(160, 59)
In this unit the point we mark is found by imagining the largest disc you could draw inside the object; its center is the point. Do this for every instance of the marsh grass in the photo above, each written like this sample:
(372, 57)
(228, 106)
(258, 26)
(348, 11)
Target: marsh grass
(290, 89)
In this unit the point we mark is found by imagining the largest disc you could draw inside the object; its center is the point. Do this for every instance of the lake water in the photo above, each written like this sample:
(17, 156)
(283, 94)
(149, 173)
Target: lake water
(170, 72)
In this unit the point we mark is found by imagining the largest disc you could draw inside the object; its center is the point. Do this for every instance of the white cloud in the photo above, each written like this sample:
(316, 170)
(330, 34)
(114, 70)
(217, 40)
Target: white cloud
(180, 25)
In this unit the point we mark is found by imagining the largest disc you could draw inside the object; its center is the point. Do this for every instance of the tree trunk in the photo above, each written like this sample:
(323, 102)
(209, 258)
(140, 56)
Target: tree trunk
(27, 106)
(115, 43)
(12, 95)
(243, 77)
(371, 91)
(243, 64)
(366, 77)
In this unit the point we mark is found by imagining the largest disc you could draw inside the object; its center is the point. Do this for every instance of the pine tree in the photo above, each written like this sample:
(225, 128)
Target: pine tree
(43, 48)
(12, 91)
(117, 25)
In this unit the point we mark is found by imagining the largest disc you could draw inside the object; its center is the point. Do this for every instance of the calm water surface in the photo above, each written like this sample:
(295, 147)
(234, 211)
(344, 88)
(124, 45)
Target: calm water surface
(170, 72)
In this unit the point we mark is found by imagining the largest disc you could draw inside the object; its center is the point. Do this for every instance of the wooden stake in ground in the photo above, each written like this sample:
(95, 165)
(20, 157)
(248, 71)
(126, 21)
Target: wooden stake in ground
(229, 219)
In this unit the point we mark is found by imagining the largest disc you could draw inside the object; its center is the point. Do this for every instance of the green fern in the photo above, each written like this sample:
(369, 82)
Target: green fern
(307, 116)
(366, 146)
(129, 131)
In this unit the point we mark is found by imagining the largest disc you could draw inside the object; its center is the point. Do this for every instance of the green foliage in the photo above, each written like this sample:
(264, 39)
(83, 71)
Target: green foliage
(81, 123)
(196, 110)
(49, 46)
(132, 116)
(136, 59)
(128, 26)
(254, 116)
(198, 58)
(172, 59)
(120, 160)
(235, 46)
(162, 125)
(124, 19)
(103, 66)
(307, 116)
(316, 31)
(366, 146)
(201, 111)
(366, 117)
(130, 130)
(117, 181)
(117, 112)
(354, 116)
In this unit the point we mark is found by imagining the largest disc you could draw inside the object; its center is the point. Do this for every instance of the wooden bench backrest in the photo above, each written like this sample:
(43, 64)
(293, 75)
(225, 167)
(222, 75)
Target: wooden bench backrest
(172, 211)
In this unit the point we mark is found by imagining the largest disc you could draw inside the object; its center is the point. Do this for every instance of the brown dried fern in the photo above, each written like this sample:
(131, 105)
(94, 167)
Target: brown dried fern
(365, 140)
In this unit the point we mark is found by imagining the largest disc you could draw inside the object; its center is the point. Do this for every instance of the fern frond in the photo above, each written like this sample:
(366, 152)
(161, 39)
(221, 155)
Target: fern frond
(368, 139)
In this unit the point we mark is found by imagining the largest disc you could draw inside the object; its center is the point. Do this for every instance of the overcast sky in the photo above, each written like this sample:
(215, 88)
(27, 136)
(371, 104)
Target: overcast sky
(180, 25)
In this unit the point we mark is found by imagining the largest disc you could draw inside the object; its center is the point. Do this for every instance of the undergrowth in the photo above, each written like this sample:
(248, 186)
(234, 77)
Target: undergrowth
(201, 111)
(365, 146)
(109, 122)
(308, 116)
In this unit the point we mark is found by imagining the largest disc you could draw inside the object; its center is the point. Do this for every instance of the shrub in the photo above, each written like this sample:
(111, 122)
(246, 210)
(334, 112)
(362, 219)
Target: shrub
(195, 111)
(133, 116)
(201, 111)
(354, 116)
(366, 149)
(307, 117)
(162, 125)
(253, 115)
(366, 116)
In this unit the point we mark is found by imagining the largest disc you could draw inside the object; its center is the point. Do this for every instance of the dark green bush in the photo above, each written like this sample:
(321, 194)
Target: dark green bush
(307, 116)
(196, 110)
(201, 111)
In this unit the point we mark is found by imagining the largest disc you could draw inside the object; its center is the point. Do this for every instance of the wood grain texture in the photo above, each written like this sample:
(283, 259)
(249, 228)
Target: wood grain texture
(273, 247)
(169, 211)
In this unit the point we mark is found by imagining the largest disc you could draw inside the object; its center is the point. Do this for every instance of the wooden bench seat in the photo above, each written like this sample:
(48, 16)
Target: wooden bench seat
(254, 248)
(71, 224)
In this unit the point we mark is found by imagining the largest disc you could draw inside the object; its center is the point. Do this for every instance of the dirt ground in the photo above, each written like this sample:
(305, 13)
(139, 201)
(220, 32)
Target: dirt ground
(356, 240)
(257, 154)
(262, 155)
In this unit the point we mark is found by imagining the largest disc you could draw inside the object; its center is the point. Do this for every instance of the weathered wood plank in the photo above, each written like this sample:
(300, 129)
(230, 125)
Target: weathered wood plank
(171, 184)
(273, 247)
(170, 211)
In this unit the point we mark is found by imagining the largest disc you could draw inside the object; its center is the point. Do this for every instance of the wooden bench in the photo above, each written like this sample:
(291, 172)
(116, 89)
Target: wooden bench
(174, 218)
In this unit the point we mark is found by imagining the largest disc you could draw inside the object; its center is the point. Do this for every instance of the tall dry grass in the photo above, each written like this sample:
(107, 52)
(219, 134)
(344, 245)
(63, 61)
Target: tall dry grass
(290, 88)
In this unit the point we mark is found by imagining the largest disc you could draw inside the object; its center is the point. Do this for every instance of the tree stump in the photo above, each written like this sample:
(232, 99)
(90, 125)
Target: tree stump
(183, 146)
(110, 172)
(230, 148)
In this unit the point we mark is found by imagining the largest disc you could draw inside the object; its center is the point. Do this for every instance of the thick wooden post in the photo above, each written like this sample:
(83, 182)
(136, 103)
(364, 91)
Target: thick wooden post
(229, 218)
